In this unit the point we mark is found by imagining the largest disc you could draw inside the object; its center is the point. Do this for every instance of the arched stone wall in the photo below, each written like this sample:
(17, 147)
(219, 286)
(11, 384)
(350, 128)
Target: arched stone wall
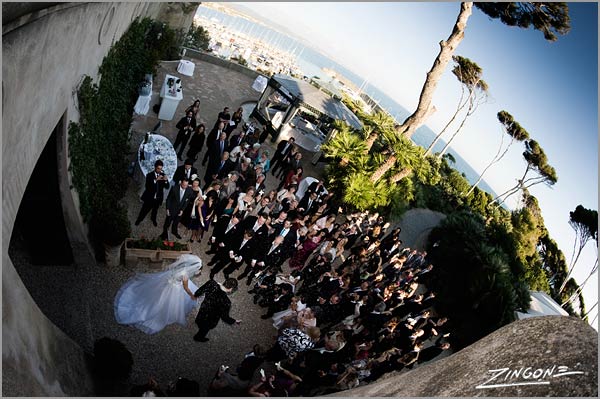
(46, 52)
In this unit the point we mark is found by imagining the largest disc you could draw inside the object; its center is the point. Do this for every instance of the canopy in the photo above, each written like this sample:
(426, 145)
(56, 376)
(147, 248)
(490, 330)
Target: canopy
(542, 305)
(313, 98)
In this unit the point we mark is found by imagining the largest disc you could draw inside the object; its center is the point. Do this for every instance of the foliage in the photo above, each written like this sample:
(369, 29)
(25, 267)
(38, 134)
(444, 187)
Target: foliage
(242, 61)
(474, 283)
(585, 224)
(197, 38)
(361, 193)
(163, 245)
(99, 143)
(549, 18)
(112, 359)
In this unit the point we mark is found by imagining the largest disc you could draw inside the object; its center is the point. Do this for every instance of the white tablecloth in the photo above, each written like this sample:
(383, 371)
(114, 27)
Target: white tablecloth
(158, 147)
(260, 83)
(143, 103)
(186, 67)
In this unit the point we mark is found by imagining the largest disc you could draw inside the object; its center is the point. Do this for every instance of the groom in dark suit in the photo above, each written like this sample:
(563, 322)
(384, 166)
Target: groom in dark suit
(177, 200)
(215, 306)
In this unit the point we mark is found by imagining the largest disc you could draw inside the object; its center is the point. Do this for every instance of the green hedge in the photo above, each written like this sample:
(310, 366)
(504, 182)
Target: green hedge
(99, 143)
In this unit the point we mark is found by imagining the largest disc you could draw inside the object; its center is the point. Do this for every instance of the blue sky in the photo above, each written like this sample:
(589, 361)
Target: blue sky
(550, 88)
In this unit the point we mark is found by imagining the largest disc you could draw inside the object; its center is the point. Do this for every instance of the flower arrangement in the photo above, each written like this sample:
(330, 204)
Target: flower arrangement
(163, 245)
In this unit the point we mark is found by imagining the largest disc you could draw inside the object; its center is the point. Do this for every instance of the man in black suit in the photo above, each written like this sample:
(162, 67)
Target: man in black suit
(308, 204)
(185, 171)
(213, 135)
(234, 254)
(186, 126)
(217, 169)
(215, 149)
(156, 182)
(290, 163)
(257, 224)
(236, 140)
(225, 226)
(177, 200)
(283, 149)
(271, 256)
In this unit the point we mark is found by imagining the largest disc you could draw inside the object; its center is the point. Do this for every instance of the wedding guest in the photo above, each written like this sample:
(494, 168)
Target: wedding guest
(185, 171)
(283, 149)
(177, 200)
(186, 126)
(196, 142)
(236, 118)
(213, 136)
(156, 183)
(195, 108)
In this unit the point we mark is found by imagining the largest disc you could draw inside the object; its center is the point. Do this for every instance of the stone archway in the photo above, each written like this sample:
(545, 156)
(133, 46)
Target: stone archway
(39, 235)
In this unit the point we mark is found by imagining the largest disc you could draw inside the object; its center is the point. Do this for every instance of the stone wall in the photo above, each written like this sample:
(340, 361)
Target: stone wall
(542, 347)
(211, 59)
(46, 52)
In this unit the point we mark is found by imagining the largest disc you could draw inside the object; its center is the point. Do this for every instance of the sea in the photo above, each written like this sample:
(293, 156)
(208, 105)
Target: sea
(312, 62)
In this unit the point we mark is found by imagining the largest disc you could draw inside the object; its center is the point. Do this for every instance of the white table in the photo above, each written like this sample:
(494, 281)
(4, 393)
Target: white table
(171, 96)
(158, 147)
(143, 103)
(186, 67)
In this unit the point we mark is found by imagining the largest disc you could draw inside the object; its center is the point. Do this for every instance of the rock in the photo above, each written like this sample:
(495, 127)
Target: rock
(542, 344)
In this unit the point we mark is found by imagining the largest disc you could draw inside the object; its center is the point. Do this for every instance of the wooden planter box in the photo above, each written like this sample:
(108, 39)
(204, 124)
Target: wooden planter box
(154, 255)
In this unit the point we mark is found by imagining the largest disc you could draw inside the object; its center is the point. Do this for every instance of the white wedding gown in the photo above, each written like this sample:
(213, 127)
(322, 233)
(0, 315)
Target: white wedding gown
(151, 301)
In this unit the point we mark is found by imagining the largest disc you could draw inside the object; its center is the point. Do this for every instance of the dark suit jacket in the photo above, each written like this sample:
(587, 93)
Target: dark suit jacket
(153, 188)
(275, 258)
(234, 141)
(214, 151)
(221, 226)
(248, 251)
(214, 168)
(279, 153)
(304, 204)
(213, 135)
(248, 223)
(174, 204)
(180, 173)
(293, 164)
(183, 123)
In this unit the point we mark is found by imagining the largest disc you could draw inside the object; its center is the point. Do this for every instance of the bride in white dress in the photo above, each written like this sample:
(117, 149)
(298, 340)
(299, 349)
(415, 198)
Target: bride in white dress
(151, 301)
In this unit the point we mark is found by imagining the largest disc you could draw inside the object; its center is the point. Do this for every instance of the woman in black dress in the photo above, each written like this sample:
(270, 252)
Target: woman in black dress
(196, 141)
(236, 118)
(195, 108)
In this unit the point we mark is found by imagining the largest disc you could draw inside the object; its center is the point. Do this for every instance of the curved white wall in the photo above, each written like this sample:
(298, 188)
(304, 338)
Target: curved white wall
(45, 54)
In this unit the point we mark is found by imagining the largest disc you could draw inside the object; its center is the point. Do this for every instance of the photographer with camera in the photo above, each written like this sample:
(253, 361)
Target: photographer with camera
(156, 182)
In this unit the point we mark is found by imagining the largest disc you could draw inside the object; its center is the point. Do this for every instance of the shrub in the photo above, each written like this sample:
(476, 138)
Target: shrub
(99, 143)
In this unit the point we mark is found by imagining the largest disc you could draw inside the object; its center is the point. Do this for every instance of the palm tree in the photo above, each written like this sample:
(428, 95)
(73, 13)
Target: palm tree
(362, 193)
(345, 146)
